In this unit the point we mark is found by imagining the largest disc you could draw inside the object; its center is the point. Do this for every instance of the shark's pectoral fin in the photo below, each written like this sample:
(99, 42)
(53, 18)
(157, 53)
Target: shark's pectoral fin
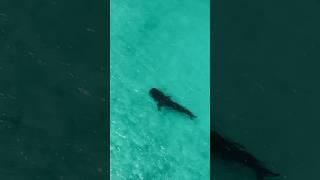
(159, 106)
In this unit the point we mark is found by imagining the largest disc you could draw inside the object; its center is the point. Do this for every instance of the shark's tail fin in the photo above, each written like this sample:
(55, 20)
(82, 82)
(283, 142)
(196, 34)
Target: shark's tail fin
(261, 173)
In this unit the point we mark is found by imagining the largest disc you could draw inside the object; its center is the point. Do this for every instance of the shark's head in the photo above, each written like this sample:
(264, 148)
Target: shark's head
(155, 93)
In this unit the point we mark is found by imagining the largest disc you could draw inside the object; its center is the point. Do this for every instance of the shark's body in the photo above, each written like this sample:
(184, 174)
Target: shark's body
(163, 100)
(233, 152)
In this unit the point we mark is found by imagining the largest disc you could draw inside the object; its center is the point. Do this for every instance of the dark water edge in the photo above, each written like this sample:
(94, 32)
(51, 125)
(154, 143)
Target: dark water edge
(53, 80)
(265, 82)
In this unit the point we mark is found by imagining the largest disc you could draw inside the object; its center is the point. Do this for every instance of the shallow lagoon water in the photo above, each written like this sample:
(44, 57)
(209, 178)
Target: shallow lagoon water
(165, 45)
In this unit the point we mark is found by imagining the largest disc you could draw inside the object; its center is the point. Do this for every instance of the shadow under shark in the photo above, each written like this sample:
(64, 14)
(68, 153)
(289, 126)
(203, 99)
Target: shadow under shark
(227, 150)
(163, 100)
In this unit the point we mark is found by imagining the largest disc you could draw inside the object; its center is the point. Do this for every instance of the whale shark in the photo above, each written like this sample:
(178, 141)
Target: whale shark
(227, 150)
(165, 101)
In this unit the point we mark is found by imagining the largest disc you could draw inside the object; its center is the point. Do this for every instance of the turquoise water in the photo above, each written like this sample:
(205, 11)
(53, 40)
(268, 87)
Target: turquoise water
(163, 44)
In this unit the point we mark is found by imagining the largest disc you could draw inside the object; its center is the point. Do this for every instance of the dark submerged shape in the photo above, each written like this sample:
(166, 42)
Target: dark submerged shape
(227, 150)
(163, 100)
